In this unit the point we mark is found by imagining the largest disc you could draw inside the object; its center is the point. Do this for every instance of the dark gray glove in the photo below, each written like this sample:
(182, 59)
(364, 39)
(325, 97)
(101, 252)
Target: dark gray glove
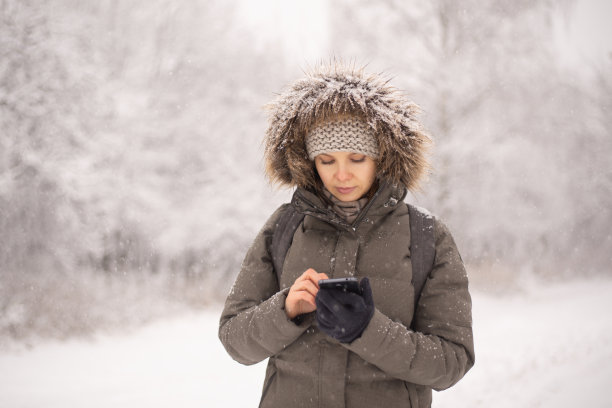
(345, 315)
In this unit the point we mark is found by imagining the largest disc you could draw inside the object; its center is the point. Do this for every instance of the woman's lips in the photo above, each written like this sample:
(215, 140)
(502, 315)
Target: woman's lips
(345, 190)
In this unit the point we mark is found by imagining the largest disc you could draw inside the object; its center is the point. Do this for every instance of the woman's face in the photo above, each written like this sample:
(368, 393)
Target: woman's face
(348, 176)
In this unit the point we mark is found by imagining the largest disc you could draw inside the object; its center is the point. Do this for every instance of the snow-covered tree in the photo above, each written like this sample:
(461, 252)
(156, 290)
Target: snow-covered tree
(43, 98)
(500, 109)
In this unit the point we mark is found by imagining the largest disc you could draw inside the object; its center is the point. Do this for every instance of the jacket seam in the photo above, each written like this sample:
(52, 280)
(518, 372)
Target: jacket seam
(267, 386)
(320, 377)
(458, 324)
(332, 266)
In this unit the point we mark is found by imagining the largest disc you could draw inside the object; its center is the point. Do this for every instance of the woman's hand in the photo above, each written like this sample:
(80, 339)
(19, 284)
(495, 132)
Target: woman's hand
(301, 297)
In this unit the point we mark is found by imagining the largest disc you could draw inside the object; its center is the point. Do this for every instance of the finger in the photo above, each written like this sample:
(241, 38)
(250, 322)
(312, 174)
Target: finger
(306, 275)
(366, 291)
(325, 298)
(310, 275)
(324, 316)
(322, 276)
(307, 286)
(315, 278)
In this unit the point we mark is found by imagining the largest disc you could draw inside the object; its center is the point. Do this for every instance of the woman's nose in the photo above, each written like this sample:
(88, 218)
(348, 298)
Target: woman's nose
(342, 174)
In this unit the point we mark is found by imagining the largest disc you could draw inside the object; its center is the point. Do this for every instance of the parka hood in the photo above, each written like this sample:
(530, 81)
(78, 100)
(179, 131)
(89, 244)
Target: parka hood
(335, 89)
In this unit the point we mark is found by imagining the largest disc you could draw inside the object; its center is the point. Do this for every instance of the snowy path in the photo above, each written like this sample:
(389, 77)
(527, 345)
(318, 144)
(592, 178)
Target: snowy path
(544, 348)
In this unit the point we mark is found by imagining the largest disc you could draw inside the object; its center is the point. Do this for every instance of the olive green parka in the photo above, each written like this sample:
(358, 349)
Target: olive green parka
(390, 364)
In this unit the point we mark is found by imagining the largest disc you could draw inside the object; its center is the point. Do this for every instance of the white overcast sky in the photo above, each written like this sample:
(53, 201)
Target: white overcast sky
(585, 34)
(583, 31)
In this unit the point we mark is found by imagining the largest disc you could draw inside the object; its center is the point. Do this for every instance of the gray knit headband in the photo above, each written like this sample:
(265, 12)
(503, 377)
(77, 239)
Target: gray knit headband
(342, 134)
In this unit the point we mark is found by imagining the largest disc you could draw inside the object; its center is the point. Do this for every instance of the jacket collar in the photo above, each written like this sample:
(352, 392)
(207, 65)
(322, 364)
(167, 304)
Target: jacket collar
(383, 201)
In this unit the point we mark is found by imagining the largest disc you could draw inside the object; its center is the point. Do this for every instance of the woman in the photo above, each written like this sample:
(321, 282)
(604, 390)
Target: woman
(352, 147)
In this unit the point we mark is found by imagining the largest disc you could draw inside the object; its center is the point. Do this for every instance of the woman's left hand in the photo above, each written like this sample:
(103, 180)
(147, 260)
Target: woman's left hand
(345, 315)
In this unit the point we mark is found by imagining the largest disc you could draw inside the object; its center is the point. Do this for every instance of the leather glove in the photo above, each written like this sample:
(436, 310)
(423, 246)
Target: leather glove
(345, 315)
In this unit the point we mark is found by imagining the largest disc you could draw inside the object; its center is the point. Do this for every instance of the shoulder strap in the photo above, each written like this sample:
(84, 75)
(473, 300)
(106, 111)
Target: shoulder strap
(288, 222)
(422, 248)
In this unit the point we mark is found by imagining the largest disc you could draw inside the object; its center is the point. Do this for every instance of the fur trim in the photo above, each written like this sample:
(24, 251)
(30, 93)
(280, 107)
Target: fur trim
(335, 89)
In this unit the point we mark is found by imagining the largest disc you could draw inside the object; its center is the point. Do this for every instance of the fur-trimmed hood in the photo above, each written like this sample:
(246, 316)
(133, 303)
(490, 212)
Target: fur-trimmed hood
(335, 89)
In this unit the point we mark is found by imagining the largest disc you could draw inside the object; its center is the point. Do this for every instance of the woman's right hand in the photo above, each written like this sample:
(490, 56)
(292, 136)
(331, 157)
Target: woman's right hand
(301, 296)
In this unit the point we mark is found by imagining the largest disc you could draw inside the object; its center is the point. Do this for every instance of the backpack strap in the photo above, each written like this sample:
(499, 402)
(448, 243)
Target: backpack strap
(282, 238)
(422, 247)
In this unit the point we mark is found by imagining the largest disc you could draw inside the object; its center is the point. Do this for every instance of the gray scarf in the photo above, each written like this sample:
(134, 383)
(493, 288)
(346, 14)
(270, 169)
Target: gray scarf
(347, 210)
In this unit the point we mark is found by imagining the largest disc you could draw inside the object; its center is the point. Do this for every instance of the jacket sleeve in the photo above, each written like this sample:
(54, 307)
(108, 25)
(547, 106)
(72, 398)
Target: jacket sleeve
(441, 349)
(253, 324)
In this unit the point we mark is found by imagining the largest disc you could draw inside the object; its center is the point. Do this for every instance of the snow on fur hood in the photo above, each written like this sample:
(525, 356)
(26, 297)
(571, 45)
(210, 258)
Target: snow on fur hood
(334, 89)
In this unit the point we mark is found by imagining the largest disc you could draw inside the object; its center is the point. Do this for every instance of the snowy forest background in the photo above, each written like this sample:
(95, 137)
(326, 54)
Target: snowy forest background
(131, 178)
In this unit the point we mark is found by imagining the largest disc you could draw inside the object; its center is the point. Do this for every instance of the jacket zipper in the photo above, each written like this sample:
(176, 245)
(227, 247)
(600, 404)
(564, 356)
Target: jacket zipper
(335, 219)
(362, 214)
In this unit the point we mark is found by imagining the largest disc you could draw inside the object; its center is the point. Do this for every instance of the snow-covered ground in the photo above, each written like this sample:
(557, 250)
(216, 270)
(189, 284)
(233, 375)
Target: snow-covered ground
(549, 346)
